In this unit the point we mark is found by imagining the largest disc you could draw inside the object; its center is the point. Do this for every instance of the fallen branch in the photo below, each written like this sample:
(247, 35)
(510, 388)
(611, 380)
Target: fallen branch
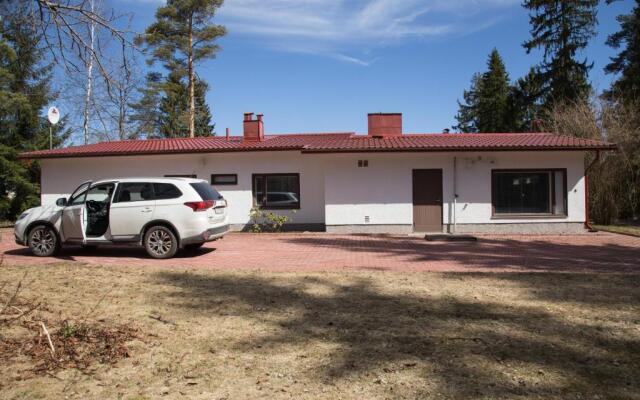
(46, 332)
(15, 294)
(164, 321)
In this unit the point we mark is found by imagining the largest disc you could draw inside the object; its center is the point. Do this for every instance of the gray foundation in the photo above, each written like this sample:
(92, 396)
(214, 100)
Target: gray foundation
(526, 228)
(285, 228)
(369, 228)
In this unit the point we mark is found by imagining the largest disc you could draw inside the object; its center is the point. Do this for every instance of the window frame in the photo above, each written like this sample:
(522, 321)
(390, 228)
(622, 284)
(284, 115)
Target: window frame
(116, 195)
(267, 207)
(234, 183)
(552, 183)
(192, 176)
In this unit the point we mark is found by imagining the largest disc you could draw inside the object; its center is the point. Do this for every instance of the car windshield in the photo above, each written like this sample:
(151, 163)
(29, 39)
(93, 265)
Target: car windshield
(206, 191)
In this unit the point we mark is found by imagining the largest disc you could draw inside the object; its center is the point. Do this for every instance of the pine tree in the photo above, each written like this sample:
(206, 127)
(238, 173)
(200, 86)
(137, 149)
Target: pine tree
(174, 111)
(184, 34)
(627, 61)
(562, 28)
(24, 93)
(486, 107)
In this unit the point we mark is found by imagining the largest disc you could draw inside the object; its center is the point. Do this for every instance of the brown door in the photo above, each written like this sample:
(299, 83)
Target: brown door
(427, 200)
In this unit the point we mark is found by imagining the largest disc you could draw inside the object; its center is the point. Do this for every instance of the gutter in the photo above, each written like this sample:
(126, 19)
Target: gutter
(586, 192)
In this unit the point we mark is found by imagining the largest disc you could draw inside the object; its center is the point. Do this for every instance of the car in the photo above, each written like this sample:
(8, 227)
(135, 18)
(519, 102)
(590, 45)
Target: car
(162, 214)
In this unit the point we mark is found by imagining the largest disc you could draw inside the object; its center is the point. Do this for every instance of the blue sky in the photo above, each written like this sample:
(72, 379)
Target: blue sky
(322, 65)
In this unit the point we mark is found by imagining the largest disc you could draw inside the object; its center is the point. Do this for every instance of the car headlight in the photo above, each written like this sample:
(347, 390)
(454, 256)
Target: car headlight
(24, 214)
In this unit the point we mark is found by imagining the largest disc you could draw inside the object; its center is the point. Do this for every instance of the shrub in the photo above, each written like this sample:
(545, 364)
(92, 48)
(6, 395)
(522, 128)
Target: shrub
(267, 221)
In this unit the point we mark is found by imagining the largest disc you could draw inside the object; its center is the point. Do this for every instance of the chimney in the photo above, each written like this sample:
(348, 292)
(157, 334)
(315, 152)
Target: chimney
(253, 128)
(384, 125)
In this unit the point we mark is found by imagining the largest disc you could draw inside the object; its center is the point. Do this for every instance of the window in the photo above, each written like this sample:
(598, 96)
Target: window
(165, 191)
(101, 193)
(78, 195)
(134, 191)
(529, 192)
(205, 191)
(224, 179)
(181, 176)
(276, 190)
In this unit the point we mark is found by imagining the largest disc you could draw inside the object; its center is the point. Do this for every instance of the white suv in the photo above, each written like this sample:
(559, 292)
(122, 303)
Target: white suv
(161, 214)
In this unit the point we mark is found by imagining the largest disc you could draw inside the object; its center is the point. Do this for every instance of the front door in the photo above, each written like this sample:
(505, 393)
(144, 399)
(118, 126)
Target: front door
(74, 213)
(427, 200)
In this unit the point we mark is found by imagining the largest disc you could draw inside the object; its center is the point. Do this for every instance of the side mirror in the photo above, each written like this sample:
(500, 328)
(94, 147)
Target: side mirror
(61, 202)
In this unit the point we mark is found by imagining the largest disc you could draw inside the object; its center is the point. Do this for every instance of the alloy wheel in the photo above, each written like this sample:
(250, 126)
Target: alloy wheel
(42, 241)
(160, 242)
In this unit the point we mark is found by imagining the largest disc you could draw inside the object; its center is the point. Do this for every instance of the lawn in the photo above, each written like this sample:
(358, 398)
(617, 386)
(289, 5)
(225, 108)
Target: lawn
(361, 335)
(624, 229)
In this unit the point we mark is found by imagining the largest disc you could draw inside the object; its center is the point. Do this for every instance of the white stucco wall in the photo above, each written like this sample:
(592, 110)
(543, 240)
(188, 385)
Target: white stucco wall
(333, 189)
(61, 176)
(383, 191)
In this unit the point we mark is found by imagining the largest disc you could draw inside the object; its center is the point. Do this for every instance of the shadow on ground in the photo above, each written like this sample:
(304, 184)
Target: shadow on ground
(549, 335)
(499, 254)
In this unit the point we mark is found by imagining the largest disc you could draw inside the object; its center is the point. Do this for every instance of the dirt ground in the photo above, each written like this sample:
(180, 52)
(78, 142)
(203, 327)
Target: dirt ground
(208, 334)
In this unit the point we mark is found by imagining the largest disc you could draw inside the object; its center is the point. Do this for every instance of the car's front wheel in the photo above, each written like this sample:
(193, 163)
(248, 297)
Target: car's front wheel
(160, 242)
(43, 241)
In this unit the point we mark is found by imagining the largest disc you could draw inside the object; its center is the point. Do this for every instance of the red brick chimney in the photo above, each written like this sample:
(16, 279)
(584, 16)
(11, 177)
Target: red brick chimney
(253, 128)
(385, 125)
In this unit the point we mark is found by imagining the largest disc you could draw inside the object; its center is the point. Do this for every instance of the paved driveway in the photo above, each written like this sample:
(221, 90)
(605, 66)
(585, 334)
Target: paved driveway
(600, 252)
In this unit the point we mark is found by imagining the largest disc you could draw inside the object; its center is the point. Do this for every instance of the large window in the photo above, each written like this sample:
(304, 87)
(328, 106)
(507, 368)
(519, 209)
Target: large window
(529, 192)
(276, 190)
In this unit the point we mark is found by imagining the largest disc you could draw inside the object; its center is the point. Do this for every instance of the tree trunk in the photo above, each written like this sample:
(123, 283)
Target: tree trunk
(87, 100)
(192, 100)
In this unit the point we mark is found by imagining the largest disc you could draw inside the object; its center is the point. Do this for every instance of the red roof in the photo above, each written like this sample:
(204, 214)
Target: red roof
(332, 143)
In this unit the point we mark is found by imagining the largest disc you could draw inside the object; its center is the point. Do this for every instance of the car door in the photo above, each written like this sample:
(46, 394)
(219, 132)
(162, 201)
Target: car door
(131, 209)
(73, 214)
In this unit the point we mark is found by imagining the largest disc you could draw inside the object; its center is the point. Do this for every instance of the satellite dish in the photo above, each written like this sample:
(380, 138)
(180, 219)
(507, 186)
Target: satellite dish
(53, 115)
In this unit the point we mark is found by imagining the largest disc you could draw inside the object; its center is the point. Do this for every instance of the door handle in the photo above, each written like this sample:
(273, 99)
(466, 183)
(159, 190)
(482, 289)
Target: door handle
(146, 210)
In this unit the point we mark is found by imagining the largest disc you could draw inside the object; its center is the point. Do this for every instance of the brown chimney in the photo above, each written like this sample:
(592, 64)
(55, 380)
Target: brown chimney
(385, 125)
(253, 128)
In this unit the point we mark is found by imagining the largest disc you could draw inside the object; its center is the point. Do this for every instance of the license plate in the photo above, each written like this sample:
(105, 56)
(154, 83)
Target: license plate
(219, 210)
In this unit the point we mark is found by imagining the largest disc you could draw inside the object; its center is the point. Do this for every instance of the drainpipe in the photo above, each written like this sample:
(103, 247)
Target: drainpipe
(586, 192)
(455, 191)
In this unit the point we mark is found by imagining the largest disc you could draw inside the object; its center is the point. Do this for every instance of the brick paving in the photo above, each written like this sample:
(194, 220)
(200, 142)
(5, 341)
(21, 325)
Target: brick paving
(601, 252)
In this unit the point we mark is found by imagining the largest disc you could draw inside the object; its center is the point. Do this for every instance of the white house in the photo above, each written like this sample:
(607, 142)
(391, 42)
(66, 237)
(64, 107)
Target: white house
(382, 182)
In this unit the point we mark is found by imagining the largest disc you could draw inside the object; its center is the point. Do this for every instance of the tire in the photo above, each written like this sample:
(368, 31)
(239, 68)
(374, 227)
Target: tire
(160, 242)
(193, 246)
(43, 241)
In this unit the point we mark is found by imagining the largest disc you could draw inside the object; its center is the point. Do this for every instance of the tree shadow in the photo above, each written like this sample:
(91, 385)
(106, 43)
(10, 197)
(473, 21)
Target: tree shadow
(460, 346)
(489, 253)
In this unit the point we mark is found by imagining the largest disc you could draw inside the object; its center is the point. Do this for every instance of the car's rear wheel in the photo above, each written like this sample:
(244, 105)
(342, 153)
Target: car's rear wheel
(160, 242)
(43, 241)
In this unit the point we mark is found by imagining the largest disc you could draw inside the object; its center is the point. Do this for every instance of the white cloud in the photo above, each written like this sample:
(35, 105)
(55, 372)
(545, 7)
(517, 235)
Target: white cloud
(341, 29)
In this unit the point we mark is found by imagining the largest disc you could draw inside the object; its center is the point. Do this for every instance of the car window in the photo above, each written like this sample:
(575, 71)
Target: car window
(164, 191)
(205, 191)
(134, 191)
(100, 193)
(78, 195)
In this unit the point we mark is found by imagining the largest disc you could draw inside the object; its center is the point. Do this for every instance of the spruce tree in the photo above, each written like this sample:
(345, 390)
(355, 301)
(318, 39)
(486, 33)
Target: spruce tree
(184, 34)
(486, 106)
(24, 94)
(627, 62)
(562, 28)
(524, 102)
(467, 111)
(145, 113)
(493, 98)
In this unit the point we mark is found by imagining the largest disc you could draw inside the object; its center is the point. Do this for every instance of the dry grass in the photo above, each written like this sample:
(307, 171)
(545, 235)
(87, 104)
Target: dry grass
(633, 230)
(373, 335)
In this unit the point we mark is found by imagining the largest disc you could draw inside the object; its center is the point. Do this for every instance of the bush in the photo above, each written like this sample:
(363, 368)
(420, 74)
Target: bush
(266, 221)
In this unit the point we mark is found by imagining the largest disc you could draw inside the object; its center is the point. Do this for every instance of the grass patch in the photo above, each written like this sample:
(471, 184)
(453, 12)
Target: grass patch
(215, 335)
(624, 229)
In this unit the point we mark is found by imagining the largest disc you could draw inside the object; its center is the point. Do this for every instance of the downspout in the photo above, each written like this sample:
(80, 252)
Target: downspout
(586, 192)
(455, 191)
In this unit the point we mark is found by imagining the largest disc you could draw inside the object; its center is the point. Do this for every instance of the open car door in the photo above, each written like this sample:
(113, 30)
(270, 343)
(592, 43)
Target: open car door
(73, 214)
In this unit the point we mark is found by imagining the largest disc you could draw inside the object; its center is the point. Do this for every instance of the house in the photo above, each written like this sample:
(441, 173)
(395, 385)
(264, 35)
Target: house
(383, 182)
